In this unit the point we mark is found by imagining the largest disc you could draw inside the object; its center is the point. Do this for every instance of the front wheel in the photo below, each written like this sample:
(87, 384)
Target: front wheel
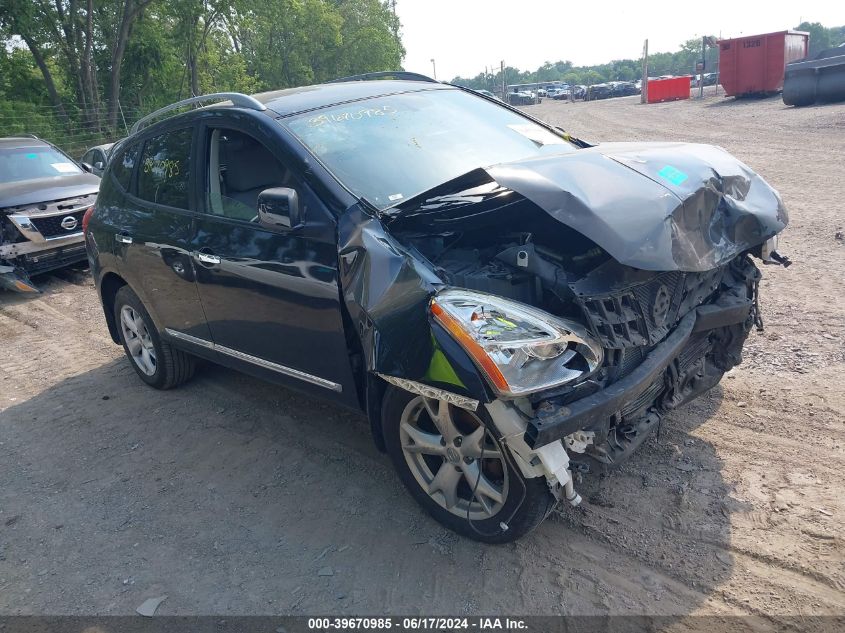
(457, 470)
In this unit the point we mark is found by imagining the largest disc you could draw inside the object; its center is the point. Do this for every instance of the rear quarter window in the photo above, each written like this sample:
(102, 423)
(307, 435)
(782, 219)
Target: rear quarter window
(122, 168)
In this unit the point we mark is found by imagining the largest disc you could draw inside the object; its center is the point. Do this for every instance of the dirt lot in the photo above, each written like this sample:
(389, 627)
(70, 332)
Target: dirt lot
(232, 496)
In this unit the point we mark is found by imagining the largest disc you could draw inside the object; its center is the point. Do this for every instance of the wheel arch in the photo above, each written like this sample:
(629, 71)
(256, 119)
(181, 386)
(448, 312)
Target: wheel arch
(109, 286)
(450, 370)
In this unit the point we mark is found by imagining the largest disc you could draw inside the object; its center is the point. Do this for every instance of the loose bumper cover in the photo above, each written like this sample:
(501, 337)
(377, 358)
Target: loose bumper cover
(556, 421)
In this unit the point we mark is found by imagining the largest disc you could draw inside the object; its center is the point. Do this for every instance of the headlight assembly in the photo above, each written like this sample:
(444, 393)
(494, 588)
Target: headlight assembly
(519, 348)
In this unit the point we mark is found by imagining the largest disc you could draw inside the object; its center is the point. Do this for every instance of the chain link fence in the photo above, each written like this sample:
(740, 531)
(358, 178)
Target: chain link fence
(74, 132)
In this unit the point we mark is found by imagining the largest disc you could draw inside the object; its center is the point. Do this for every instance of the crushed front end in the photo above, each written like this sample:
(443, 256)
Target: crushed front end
(666, 339)
(589, 311)
(576, 298)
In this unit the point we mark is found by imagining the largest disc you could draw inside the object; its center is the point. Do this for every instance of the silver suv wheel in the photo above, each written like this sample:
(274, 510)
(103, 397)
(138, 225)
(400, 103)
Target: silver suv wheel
(138, 341)
(454, 458)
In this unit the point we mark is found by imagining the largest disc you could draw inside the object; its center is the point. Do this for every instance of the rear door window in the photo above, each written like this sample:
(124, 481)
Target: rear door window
(165, 168)
(123, 166)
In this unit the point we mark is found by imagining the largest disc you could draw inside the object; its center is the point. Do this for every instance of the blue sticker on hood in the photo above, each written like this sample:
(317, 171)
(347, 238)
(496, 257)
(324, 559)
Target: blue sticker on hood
(672, 174)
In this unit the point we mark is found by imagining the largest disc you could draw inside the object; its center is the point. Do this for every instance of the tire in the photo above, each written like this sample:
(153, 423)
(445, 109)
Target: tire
(427, 463)
(157, 363)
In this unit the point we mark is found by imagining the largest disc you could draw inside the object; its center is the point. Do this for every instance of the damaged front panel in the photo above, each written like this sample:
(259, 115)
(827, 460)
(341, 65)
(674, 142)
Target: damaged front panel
(646, 245)
(387, 292)
(654, 206)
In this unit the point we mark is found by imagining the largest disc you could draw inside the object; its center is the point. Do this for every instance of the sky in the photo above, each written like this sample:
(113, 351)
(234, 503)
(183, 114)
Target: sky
(464, 36)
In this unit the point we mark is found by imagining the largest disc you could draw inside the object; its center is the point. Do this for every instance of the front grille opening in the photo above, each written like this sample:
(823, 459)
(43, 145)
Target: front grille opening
(51, 226)
(644, 314)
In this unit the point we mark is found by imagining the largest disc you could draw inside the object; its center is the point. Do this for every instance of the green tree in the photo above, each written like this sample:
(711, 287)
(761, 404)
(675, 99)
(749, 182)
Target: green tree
(590, 77)
(819, 36)
(573, 78)
(369, 38)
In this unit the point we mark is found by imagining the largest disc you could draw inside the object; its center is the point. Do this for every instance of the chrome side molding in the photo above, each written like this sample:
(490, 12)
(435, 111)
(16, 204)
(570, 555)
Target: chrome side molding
(190, 339)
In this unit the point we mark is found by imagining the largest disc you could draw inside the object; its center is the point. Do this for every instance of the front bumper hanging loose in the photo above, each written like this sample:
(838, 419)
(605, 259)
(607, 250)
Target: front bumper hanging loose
(555, 422)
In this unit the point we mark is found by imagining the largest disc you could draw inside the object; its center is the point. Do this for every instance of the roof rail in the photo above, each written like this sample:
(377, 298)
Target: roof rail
(386, 74)
(238, 99)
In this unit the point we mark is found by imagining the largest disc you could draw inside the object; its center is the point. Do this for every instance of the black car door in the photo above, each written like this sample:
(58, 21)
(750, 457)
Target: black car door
(271, 296)
(154, 230)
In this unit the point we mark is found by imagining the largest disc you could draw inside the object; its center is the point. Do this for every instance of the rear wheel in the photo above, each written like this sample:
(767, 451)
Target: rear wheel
(458, 471)
(159, 364)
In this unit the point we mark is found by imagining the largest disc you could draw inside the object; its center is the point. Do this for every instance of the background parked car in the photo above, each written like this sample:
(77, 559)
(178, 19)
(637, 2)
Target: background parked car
(520, 98)
(623, 89)
(560, 93)
(711, 79)
(43, 195)
(96, 158)
(487, 93)
(599, 91)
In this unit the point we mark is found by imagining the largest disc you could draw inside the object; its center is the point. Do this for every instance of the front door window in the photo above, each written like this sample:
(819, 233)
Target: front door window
(239, 168)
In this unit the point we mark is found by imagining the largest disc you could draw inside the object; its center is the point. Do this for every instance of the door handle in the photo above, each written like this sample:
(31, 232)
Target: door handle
(123, 238)
(208, 258)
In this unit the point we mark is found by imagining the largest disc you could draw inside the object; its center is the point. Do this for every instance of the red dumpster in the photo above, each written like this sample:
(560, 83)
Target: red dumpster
(668, 89)
(755, 64)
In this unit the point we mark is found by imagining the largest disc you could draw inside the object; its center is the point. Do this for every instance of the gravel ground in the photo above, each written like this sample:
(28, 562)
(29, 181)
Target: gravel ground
(232, 496)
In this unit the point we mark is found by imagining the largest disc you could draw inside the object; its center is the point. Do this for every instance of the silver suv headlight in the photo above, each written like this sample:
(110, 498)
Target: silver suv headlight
(519, 348)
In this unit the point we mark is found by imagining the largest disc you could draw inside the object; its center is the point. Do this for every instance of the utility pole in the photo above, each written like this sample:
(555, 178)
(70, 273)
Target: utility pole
(504, 87)
(644, 86)
(433, 68)
(395, 21)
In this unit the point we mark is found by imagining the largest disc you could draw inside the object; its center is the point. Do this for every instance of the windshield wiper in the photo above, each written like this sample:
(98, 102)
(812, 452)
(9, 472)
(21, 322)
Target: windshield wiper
(470, 188)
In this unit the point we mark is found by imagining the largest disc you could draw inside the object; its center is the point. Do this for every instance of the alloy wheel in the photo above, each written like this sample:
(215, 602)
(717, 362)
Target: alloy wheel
(138, 341)
(454, 458)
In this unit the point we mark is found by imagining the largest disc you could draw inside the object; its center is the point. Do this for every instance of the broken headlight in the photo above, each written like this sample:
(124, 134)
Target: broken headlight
(519, 348)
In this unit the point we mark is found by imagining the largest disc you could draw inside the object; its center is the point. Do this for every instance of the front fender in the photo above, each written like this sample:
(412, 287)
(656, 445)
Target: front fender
(387, 291)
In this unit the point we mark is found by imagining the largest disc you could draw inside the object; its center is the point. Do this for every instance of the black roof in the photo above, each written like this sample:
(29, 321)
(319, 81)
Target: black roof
(294, 100)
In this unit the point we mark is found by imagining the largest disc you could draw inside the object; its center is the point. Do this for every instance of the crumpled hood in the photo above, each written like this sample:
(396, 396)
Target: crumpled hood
(654, 206)
(16, 194)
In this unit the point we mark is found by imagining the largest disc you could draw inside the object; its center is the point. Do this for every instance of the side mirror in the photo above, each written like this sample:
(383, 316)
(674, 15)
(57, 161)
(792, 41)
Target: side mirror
(278, 208)
(87, 167)
(98, 165)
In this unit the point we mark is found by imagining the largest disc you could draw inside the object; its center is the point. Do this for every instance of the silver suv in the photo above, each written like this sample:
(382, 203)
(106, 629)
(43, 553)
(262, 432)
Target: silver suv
(43, 197)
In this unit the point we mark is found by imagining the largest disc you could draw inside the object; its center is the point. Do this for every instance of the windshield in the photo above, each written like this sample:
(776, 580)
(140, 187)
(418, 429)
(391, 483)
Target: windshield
(389, 149)
(28, 163)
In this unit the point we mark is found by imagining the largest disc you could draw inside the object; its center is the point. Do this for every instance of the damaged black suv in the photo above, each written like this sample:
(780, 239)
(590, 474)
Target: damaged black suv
(505, 302)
